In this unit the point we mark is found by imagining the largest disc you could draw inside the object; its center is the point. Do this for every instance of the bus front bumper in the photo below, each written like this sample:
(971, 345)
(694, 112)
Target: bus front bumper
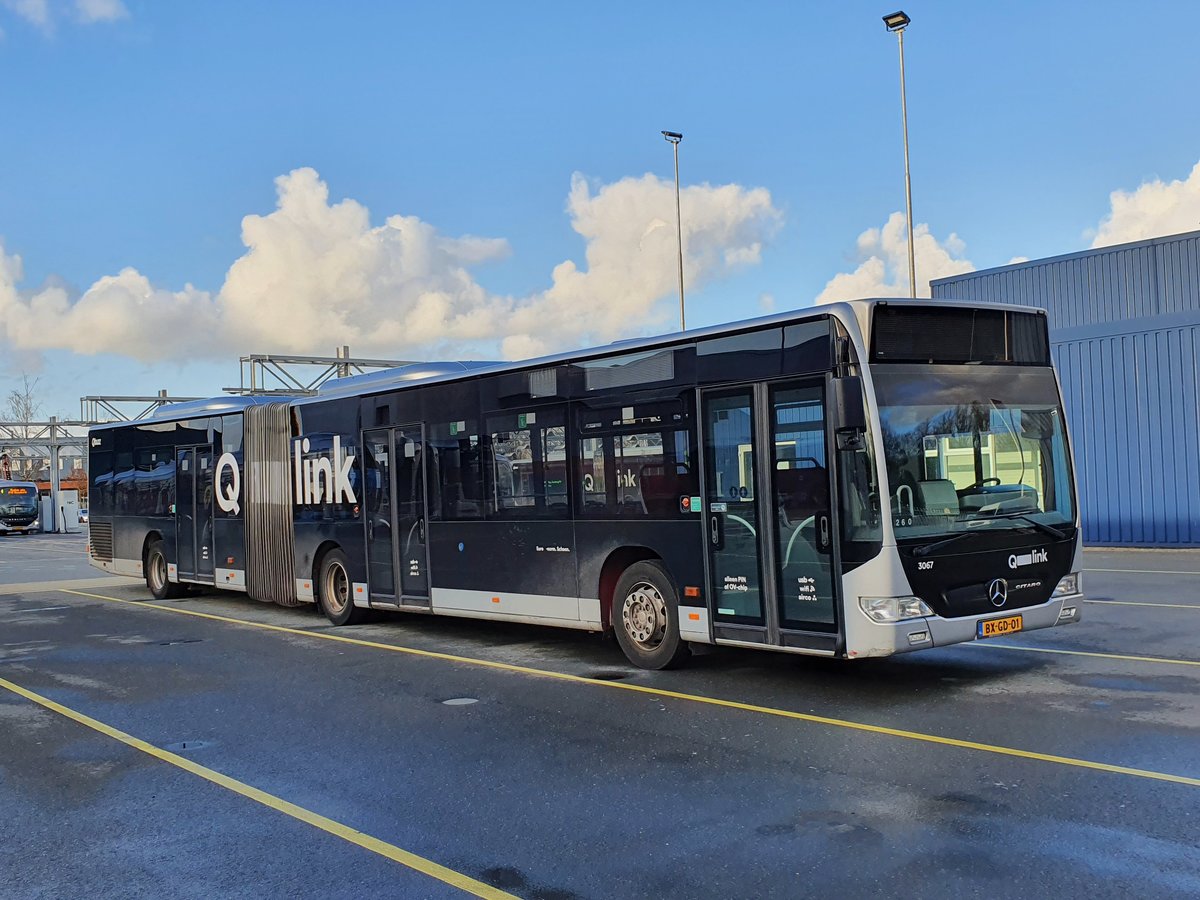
(866, 638)
(1058, 611)
(19, 529)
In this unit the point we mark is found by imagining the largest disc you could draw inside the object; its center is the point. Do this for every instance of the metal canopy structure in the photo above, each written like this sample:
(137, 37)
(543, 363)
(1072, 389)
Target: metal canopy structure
(95, 410)
(271, 373)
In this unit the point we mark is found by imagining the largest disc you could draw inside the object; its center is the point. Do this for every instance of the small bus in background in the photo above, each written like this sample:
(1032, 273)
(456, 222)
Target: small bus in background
(18, 507)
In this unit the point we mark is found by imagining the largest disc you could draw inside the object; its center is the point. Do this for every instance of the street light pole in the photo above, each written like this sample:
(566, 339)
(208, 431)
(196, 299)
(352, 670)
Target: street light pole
(675, 137)
(897, 22)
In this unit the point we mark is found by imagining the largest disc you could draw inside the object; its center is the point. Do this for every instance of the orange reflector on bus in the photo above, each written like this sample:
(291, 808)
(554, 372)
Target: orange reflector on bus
(695, 617)
(358, 590)
(691, 592)
(495, 599)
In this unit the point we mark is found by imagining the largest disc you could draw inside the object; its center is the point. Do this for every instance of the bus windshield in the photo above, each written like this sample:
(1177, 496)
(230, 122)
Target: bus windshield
(973, 447)
(18, 499)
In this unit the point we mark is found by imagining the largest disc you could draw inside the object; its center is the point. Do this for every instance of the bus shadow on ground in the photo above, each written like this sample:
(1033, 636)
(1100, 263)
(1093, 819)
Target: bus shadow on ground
(929, 674)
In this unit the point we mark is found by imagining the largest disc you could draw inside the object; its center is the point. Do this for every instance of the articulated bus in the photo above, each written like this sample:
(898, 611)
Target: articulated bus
(855, 480)
(18, 507)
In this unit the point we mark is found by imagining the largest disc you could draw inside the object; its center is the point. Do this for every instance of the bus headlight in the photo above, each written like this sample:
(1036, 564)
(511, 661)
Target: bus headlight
(1068, 585)
(894, 609)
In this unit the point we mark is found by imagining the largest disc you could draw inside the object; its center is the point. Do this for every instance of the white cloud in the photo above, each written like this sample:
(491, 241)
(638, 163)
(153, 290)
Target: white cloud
(1155, 209)
(316, 275)
(883, 267)
(43, 14)
(632, 258)
(35, 12)
(88, 11)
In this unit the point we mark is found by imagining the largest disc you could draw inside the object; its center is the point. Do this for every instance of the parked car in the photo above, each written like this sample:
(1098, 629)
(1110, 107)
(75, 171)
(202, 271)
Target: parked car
(83, 516)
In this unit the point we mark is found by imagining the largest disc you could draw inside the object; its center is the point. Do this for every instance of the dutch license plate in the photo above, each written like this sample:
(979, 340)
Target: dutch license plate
(998, 627)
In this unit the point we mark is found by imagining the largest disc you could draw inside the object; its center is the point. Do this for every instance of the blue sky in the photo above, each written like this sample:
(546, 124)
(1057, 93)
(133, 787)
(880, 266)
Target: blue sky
(141, 139)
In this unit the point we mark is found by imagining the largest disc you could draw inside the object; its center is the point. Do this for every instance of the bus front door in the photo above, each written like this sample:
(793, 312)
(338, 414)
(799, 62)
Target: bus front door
(194, 513)
(768, 520)
(397, 559)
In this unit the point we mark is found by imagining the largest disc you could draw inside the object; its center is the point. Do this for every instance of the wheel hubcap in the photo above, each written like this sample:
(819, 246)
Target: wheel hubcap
(337, 588)
(158, 570)
(644, 616)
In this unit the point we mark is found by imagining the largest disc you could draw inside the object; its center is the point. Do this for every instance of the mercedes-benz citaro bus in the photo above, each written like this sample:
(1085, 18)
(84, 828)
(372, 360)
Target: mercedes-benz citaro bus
(853, 480)
(18, 507)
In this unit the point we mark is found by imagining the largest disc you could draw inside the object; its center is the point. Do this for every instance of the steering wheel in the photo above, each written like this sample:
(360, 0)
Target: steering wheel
(984, 482)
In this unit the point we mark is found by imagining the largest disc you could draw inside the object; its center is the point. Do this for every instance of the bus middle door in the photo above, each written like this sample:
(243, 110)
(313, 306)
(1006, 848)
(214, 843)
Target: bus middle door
(397, 556)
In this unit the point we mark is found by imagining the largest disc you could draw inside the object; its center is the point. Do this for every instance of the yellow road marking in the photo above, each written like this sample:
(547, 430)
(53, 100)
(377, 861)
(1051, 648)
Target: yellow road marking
(1144, 603)
(676, 695)
(45, 587)
(1150, 659)
(345, 832)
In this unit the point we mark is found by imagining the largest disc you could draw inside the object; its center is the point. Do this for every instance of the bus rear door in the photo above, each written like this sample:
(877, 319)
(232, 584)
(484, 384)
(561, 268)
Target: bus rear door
(194, 513)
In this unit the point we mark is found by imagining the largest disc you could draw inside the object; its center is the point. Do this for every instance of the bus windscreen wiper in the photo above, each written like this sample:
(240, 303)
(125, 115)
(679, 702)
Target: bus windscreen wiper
(1040, 526)
(926, 549)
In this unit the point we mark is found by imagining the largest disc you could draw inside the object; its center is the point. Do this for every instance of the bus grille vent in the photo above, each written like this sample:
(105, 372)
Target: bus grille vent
(100, 536)
(270, 548)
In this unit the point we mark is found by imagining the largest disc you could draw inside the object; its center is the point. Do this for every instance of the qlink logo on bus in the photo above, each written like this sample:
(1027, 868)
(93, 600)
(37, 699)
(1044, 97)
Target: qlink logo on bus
(1027, 559)
(324, 479)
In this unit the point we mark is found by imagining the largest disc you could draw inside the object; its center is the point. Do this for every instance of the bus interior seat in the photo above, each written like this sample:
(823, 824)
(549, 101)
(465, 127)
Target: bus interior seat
(937, 497)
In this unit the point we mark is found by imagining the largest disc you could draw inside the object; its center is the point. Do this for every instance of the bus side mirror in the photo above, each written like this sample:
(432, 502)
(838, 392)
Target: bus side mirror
(848, 413)
(846, 404)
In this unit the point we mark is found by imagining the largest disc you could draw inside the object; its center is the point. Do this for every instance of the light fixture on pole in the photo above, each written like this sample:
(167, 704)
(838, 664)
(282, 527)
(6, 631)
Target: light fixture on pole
(897, 22)
(675, 137)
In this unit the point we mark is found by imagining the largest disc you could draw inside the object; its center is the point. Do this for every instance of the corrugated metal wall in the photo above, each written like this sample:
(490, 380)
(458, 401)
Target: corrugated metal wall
(1125, 330)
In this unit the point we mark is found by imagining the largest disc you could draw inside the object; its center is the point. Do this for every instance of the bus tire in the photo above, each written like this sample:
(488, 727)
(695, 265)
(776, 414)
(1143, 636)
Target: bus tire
(645, 617)
(156, 573)
(335, 591)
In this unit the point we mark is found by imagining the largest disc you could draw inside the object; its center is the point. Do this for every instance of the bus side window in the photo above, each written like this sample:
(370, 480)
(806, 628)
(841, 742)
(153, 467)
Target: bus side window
(455, 490)
(123, 485)
(642, 475)
(100, 490)
(526, 467)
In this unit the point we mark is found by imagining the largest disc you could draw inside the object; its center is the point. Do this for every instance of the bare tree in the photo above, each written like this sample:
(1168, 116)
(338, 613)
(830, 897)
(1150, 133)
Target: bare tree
(24, 407)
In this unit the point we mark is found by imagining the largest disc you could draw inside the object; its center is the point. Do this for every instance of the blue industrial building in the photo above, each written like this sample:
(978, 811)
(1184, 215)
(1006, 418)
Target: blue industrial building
(1125, 330)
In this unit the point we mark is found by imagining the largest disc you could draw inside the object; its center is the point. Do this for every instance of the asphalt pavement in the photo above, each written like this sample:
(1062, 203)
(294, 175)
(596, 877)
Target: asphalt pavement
(216, 746)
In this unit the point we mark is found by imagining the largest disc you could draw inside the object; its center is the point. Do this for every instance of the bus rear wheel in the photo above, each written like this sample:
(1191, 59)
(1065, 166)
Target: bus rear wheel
(156, 574)
(645, 616)
(334, 591)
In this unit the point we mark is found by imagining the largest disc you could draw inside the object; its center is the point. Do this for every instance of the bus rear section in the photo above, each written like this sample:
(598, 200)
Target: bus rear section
(977, 472)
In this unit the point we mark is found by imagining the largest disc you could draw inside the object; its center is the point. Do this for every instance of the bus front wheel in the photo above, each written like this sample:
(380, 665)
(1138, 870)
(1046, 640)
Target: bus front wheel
(156, 574)
(334, 591)
(645, 616)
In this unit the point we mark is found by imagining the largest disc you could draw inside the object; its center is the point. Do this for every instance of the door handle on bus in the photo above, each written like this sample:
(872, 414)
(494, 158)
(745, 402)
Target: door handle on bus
(823, 535)
(716, 531)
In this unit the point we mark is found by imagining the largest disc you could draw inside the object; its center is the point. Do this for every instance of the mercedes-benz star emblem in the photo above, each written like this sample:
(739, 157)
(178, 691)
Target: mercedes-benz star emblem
(998, 592)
